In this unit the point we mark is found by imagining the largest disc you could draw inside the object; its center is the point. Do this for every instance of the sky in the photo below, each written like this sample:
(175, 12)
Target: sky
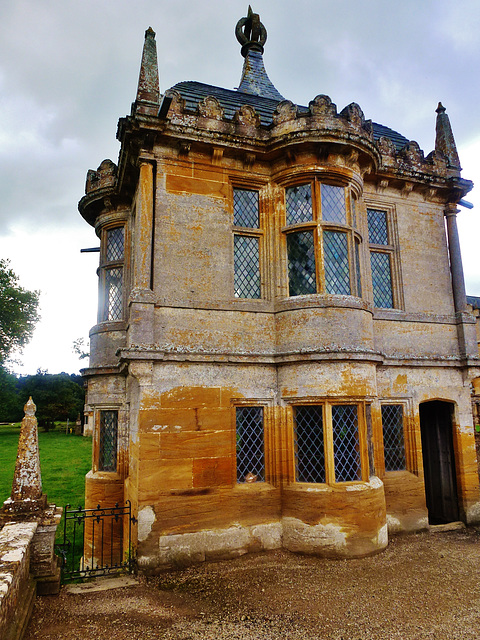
(69, 70)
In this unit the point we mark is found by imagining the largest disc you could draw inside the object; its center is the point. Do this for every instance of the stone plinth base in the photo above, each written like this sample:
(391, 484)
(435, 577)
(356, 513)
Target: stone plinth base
(30, 505)
(50, 585)
(44, 565)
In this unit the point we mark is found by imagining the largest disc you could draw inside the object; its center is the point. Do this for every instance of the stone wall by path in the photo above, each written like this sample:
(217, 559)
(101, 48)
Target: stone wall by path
(17, 586)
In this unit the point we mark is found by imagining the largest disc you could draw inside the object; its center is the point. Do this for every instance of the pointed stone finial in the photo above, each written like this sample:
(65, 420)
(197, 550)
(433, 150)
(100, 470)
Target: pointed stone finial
(148, 92)
(252, 35)
(27, 492)
(444, 140)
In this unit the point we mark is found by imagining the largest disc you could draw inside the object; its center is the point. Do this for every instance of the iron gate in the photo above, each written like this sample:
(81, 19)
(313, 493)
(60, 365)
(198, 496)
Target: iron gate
(96, 541)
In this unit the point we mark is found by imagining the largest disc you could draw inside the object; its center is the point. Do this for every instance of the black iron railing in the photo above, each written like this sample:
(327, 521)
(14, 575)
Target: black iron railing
(96, 541)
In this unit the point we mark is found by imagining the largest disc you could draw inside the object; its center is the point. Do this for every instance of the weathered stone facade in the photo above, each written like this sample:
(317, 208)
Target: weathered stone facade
(282, 324)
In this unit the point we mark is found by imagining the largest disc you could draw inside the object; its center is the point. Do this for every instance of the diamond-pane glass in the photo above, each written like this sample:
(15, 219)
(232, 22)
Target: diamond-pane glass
(381, 280)
(301, 263)
(113, 290)
(354, 212)
(246, 264)
(357, 270)
(377, 226)
(337, 273)
(299, 204)
(115, 244)
(250, 450)
(108, 441)
(393, 441)
(245, 208)
(333, 204)
(309, 447)
(346, 449)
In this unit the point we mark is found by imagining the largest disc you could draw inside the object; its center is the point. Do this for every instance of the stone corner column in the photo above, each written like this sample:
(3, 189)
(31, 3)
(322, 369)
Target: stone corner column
(456, 266)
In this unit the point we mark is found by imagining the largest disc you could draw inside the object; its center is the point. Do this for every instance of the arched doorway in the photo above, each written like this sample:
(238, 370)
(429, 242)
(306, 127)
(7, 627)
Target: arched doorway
(436, 421)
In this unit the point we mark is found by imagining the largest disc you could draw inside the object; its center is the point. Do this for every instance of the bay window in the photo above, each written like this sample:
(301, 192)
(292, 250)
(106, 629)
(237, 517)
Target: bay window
(328, 439)
(322, 245)
(111, 306)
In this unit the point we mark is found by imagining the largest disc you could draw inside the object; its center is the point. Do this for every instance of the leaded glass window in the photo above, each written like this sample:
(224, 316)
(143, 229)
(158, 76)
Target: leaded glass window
(320, 258)
(246, 258)
(393, 438)
(250, 444)
(107, 457)
(112, 274)
(246, 248)
(245, 208)
(337, 268)
(115, 244)
(309, 445)
(333, 204)
(377, 226)
(381, 279)
(113, 293)
(382, 254)
(357, 269)
(299, 204)
(301, 263)
(346, 445)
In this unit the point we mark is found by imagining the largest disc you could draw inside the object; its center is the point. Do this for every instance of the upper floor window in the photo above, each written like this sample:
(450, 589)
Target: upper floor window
(322, 247)
(112, 274)
(247, 237)
(382, 252)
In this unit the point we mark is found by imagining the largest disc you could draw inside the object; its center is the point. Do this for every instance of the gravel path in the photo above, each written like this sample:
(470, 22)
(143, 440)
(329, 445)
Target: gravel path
(424, 585)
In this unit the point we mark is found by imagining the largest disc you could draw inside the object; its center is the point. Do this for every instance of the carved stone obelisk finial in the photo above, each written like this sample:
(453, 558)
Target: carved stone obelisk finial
(444, 141)
(27, 492)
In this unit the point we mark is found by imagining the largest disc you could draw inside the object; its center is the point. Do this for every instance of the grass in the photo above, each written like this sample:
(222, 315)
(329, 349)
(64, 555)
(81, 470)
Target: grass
(64, 461)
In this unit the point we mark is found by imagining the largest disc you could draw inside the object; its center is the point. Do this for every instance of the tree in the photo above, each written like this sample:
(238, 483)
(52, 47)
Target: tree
(11, 407)
(18, 312)
(80, 348)
(57, 396)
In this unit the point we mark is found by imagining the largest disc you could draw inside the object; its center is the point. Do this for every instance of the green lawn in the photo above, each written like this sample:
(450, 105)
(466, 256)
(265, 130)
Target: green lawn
(64, 460)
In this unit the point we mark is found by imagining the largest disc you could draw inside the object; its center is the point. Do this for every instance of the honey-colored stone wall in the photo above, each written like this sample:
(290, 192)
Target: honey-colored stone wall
(189, 351)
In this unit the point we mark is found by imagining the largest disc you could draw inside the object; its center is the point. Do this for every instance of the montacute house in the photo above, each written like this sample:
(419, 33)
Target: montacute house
(283, 355)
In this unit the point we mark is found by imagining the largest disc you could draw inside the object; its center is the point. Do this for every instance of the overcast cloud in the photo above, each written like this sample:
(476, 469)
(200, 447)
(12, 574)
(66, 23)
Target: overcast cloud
(69, 70)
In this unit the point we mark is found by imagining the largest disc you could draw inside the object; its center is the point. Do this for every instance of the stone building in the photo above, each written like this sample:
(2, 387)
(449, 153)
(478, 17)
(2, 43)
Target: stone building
(283, 355)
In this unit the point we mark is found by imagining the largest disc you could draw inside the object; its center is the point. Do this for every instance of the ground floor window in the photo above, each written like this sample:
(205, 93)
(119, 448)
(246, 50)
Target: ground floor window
(327, 443)
(107, 457)
(346, 445)
(393, 438)
(309, 446)
(250, 444)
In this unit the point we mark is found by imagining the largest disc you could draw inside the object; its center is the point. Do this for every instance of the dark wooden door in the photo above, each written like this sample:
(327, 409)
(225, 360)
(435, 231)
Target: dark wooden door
(439, 461)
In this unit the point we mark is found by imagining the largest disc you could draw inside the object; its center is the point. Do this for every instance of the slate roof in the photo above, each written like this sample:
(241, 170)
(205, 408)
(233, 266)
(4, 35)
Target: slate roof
(474, 301)
(193, 92)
